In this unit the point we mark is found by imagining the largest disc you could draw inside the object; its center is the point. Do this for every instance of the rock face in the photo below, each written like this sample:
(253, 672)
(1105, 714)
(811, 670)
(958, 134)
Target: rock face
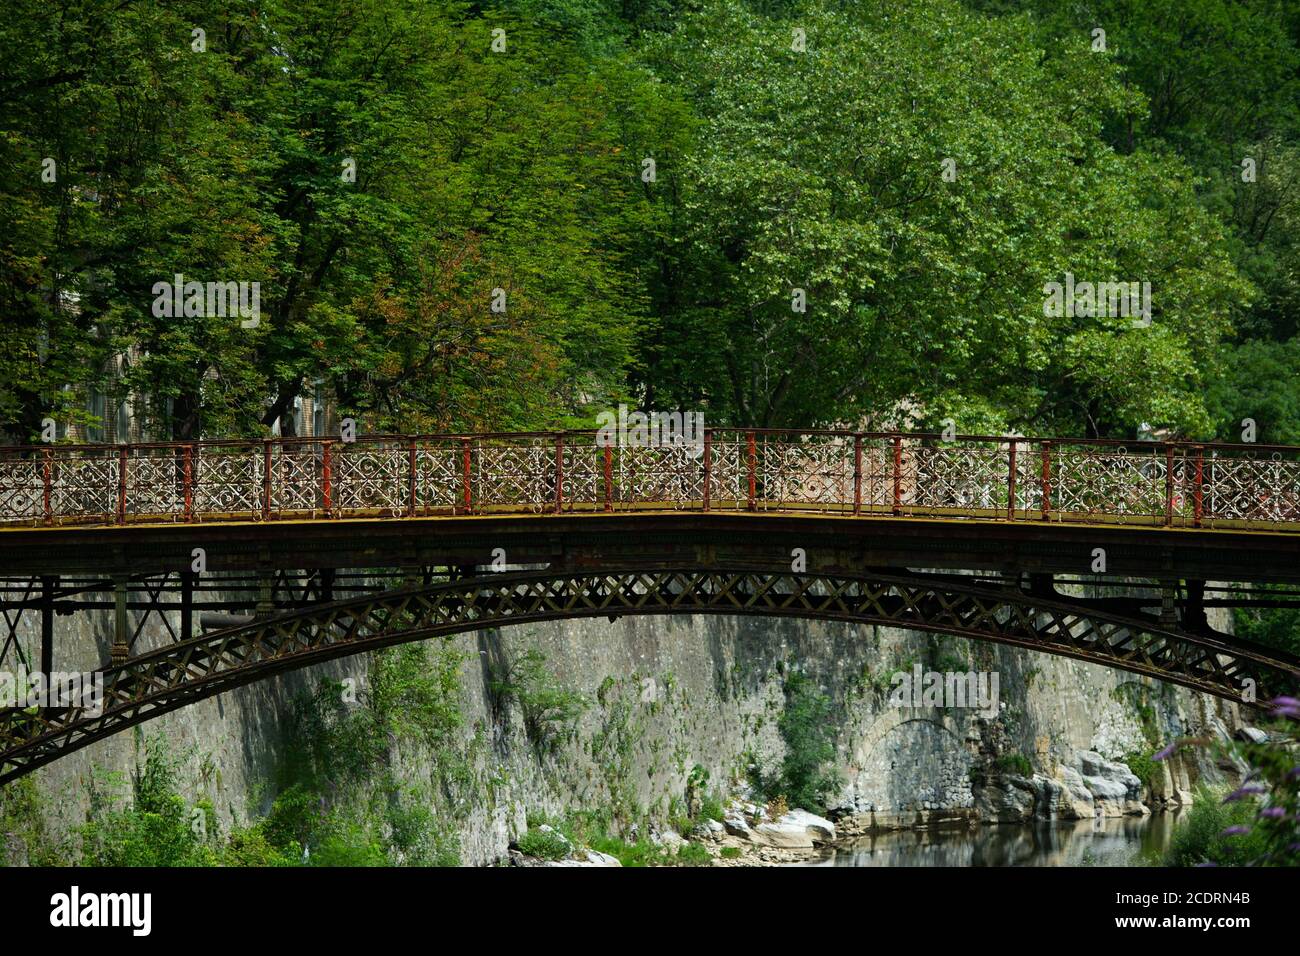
(581, 857)
(667, 694)
(1092, 787)
(794, 830)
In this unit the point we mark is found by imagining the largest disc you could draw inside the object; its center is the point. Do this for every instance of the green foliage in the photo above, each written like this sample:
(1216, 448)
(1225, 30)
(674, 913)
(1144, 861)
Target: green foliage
(730, 852)
(820, 170)
(344, 800)
(1143, 767)
(544, 844)
(251, 847)
(614, 744)
(711, 808)
(1264, 811)
(702, 803)
(1136, 697)
(1199, 838)
(1259, 380)
(807, 727)
(24, 838)
(550, 712)
(1277, 627)
(692, 854)
(1218, 81)
(1017, 764)
(154, 827)
(776, 169)
(474, 171)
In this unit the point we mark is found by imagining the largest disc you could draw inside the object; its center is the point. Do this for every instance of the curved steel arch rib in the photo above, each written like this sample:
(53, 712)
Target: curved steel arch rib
(171, 677)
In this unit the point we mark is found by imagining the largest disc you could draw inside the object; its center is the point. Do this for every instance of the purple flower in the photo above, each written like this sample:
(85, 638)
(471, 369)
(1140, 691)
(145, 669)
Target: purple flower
(1273, 813)
(1286, 706)
(1167, 752)
(1237, 830)
(1293, 773)
(1242, 792)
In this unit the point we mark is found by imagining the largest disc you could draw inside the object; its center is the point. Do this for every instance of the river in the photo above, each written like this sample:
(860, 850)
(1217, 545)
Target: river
(1116, 841)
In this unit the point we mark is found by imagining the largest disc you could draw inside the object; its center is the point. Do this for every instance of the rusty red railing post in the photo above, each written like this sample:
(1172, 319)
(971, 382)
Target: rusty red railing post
(708, 467)
(1199, 488)
(266, 479)
(752, 457)
(857, 474)
(410, 479)
(609, 477)
(1169, 485)
(559, 474)
(187, 481)
(1011, 482)
(465, 475)
(121, 484)
(898, 474)
(327, 478)
(1047, 481)
(47, 481)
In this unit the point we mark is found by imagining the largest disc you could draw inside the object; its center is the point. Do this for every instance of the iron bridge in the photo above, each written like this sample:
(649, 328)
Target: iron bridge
(253, 558)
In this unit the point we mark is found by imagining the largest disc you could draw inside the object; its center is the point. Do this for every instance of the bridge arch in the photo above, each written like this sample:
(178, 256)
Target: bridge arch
(168, 678)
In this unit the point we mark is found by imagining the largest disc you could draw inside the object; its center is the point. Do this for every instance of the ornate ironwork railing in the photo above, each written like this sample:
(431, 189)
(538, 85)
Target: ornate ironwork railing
(1173, 484)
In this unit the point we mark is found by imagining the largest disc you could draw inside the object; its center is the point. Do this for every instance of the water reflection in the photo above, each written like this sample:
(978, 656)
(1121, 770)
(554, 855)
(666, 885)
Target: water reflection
(1120, 841)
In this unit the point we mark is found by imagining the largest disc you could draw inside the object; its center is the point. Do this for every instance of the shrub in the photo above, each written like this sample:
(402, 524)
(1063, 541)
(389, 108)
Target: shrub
(1014, 763)
(153, 828)
(544, 844)
(549, 711)
(1199, 838)
(807, 727)
(693, 854)
(777, 808)
(1143, 767)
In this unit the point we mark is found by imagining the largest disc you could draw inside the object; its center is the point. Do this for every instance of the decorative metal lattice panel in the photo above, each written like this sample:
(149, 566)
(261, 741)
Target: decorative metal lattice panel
(908, 475)
(671, 476)
(439, 479)
(22, 487)
(515, 474)
(296, 478)
(228, 480)
(84, 485)
(584, 475)
(1089, 483)
(815, 471)
(951, 476)
(1264, 489)
(155, 483)
(371, 478)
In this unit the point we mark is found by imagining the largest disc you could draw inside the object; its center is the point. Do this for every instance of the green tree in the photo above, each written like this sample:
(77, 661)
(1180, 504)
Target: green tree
(822, 170)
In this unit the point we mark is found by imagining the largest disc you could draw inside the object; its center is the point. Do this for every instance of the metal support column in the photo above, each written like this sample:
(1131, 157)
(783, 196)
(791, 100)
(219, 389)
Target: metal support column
(121, 633)
(265, 590)
(188, 579)
(1168, 613)
(48, 584)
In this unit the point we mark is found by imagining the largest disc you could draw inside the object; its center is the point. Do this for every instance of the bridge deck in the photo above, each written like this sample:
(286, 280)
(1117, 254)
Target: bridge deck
(596, 538)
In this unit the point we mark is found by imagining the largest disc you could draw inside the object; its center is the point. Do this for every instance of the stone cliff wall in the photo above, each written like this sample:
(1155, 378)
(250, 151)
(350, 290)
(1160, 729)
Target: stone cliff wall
(667, 694)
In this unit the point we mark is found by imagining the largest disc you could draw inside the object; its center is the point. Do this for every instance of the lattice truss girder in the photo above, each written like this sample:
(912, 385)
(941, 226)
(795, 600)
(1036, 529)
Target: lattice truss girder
(172, 676)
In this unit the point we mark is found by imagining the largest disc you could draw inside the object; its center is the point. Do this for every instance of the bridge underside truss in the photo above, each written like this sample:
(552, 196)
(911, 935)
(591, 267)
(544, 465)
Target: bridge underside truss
(172, 676)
